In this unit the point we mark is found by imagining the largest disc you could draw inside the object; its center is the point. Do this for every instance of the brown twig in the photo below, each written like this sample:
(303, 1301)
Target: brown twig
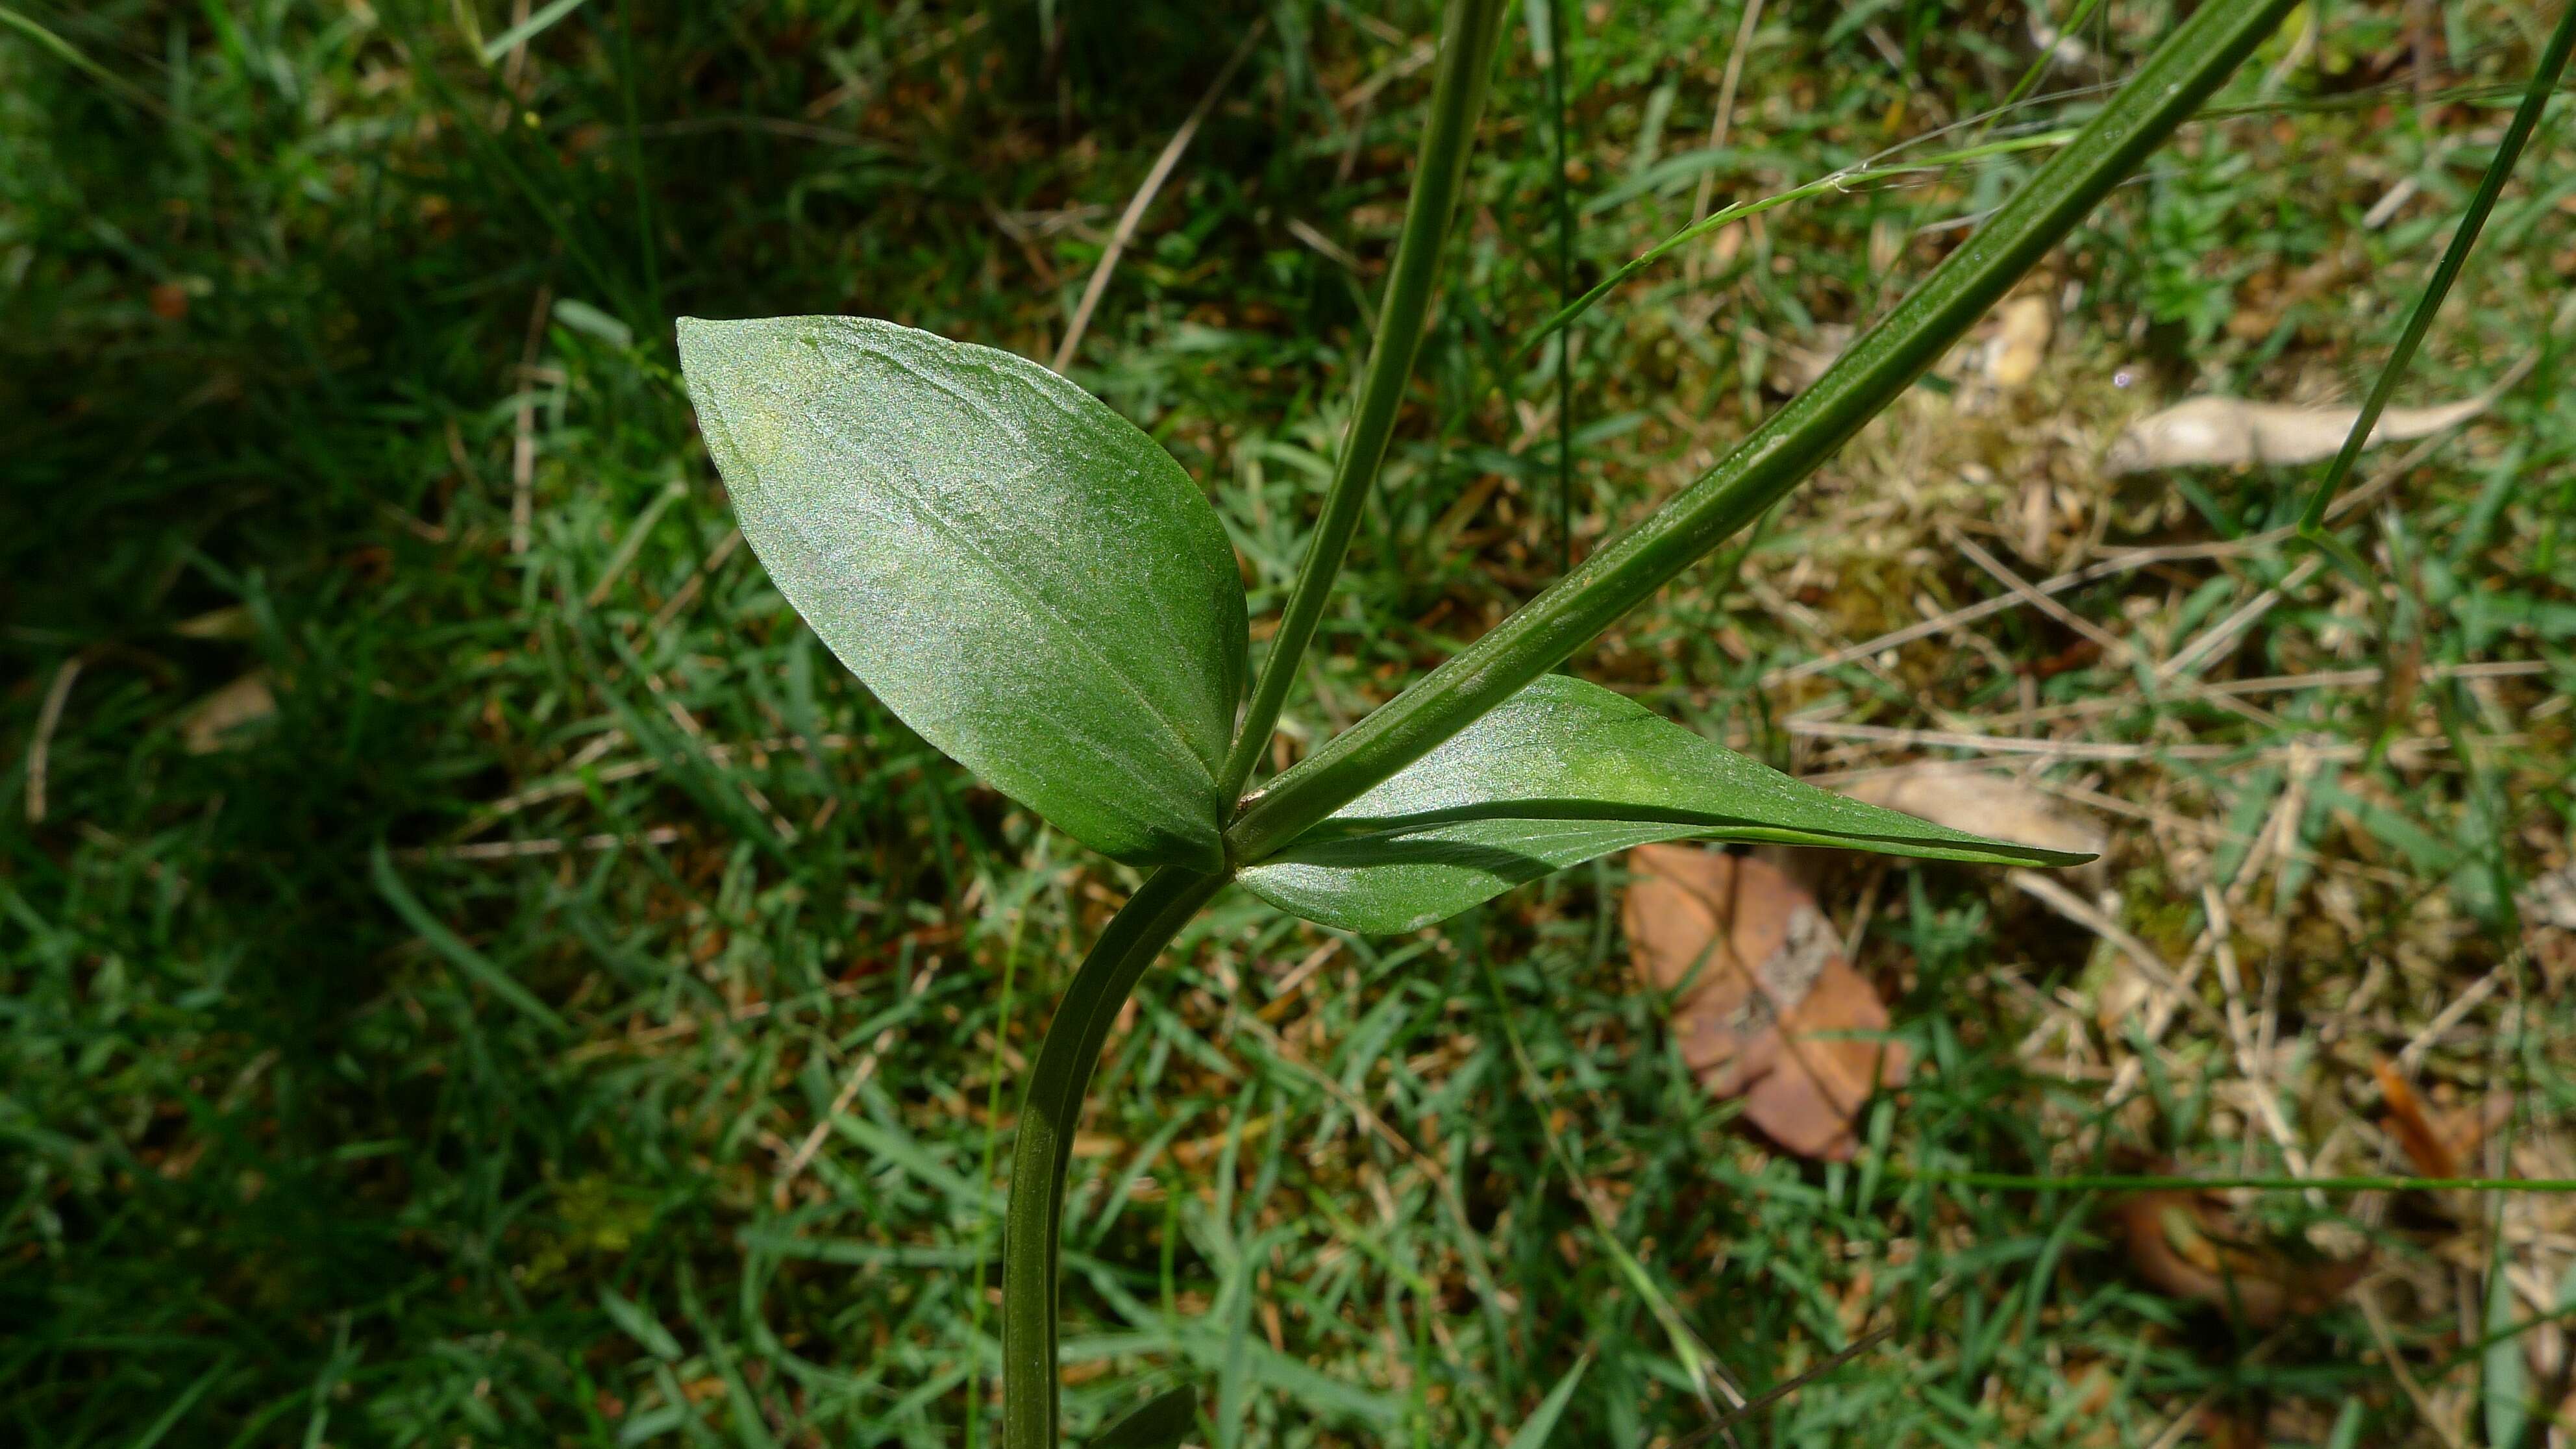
(1144, 198)
(1725, 118)
(688, 593)
(841, 1100)
(40, 748)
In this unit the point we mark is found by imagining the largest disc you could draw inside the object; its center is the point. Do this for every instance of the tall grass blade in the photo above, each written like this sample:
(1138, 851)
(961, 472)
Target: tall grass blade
(2517, 132)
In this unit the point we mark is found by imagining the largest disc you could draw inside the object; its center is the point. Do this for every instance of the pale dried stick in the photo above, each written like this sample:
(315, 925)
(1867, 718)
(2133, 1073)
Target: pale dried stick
(515, 849)
(688, 593)
(1725, 118)
(2083, 913)
(2160, 1009)
(2405, 752)
(633, 543)
(1144, 198)
(692, 1025)
(2111, 644)
(1422, 54)
(842, 1099)
(2249, 1061)
(556, 789)
(523, 444)
(2396, 1362)
(40, 750)
(688, 723)
(2130, 559)
(2124, 561)
(2226, 630)
(2411, 1055)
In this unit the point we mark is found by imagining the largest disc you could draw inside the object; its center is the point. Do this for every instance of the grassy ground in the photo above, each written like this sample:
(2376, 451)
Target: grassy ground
(576, 1013)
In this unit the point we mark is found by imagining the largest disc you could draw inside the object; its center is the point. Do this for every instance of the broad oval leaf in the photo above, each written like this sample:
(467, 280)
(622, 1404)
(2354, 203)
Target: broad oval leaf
(1019, 573)
(1565, 771)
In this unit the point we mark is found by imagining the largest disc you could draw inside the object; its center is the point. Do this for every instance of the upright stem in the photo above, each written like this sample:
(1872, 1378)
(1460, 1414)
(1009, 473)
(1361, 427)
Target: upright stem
(2192, 62)
(1467, 34)
(1558, 41)
(1043, 1149)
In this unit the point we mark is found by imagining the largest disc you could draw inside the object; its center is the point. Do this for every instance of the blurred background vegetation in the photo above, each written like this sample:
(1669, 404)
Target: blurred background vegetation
(474, 970)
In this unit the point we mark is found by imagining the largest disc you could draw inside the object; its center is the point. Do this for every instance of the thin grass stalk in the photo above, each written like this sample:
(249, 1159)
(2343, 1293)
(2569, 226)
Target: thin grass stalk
(2517, 132)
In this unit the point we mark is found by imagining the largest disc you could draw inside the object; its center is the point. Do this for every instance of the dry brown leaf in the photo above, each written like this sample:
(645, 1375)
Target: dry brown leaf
(2225, 431)
(1768, 1008)
(2024, 324)
(1981, 802)
(2427, 1145)
(2184, 1244)
(204, 727)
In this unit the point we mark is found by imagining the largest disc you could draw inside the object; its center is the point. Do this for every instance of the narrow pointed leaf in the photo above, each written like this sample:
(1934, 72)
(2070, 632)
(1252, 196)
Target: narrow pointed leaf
(1159, 1423)
(1565, 771)
(2506, 1383)
(1023, 577)
(2464, 236)
(1535, 1431)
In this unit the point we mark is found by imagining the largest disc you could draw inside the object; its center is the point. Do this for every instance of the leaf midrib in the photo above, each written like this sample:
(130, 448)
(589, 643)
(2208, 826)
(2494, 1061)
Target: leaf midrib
(918, 508)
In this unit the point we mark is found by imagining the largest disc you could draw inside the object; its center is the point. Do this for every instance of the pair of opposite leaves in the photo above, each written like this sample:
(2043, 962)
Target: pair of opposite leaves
(1036, 588)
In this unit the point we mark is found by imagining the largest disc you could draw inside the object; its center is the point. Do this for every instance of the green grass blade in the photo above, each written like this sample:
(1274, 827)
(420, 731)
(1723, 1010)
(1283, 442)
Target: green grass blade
(2255, 1182)
(180, 1406)
(72, 56)
(1533, 1433)
(472, 963)
(527, 30)
(2201, 53)
(1724, 216)
(2504, 1378)
(2526, 117)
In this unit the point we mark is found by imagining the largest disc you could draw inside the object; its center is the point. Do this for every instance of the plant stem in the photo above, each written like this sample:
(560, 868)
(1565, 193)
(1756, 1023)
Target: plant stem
(1043, 1146)
(1467, 32)
(1557, 42)
(2193, 61)
(2535, 99)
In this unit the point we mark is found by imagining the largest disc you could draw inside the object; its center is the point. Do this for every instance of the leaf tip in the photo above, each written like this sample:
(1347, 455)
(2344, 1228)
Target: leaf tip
(700, 338)
(1159, 1423)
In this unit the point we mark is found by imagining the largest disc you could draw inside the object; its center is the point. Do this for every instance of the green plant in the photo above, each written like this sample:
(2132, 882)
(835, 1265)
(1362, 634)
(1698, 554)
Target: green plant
(1039, 591)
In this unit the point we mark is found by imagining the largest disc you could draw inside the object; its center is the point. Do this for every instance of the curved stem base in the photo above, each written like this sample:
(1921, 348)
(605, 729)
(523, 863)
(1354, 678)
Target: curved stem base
(1043, 1148)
